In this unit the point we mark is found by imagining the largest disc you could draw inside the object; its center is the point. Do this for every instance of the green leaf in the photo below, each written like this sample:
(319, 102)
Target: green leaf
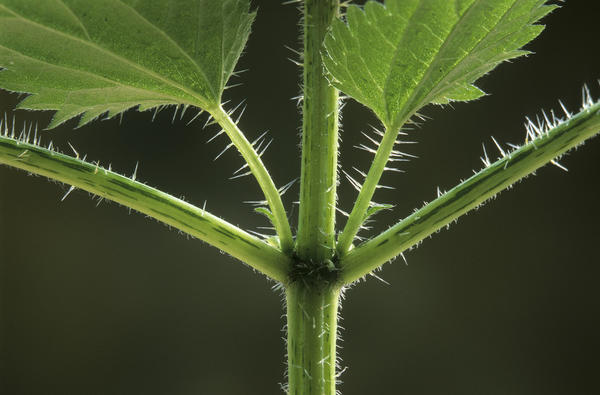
(92, 57)
(374, 208)
(265, 211)
(398, 57)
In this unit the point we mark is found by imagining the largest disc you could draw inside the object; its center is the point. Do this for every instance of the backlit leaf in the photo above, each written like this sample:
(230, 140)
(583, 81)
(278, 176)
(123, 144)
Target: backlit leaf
(402, 55)
(93, 57)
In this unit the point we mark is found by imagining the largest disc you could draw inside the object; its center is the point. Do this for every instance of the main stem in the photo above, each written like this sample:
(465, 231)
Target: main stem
(312, 294)
(316, 225)
(311, 345)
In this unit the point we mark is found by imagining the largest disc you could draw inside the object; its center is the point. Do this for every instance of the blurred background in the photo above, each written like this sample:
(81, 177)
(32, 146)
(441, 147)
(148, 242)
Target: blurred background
(95, 300)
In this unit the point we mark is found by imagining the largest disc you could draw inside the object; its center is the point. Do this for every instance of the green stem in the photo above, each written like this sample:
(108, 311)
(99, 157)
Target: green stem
(279, 216)
(150, 201)
(359, 210)
(316, 224)
(311, 338)
(470, 194)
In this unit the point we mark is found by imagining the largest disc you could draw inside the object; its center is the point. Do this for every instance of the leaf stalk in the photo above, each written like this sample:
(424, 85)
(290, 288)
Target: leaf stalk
(260, 172)
(365, 196)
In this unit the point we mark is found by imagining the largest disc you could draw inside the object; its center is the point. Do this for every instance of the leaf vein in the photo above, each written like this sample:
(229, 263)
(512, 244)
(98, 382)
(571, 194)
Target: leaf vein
(79, 21)
(121, 58)
(196, 65)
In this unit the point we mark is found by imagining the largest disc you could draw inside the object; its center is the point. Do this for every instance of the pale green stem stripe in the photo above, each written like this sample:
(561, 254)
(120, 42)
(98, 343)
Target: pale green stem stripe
(363, 201)
(318, 182)
(280, 220)
(311, 338)
(150, 201)
(470, 194)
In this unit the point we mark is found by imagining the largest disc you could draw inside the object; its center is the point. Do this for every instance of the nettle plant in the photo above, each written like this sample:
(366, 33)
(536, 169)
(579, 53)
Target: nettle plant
(96, 59)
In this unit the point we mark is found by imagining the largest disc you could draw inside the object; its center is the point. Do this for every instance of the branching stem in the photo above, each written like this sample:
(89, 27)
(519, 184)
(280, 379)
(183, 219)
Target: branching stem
(150, 201)
(471, 193)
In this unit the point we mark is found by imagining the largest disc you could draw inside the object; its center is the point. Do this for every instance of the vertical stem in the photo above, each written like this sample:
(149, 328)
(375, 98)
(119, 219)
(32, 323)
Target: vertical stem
(316, 227)
(312, 300)
(311, 342)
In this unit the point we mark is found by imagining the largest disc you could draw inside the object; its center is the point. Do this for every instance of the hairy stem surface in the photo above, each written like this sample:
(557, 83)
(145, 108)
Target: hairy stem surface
(311, 338)
(316, 224)
(261, 174)
(471, 193)
(363, 201)
(150, 201)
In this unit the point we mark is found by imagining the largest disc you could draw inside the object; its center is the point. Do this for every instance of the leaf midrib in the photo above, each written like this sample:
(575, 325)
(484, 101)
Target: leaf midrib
(425, 77)
(222, 44)
(409, 103)
(139, 67)
(474, 49)
(174, 43)
(76, 18)
(396, 54)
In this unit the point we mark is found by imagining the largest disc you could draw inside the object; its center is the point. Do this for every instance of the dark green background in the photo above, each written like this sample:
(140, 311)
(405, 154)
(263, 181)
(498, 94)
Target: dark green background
(96, 301)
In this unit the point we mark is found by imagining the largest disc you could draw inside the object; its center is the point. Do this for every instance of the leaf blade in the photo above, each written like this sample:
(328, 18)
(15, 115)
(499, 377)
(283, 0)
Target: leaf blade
(398, 57)
(59, 48)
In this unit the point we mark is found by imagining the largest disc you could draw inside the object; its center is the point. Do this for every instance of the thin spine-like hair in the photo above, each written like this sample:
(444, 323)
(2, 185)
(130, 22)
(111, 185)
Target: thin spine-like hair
(544, 123)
